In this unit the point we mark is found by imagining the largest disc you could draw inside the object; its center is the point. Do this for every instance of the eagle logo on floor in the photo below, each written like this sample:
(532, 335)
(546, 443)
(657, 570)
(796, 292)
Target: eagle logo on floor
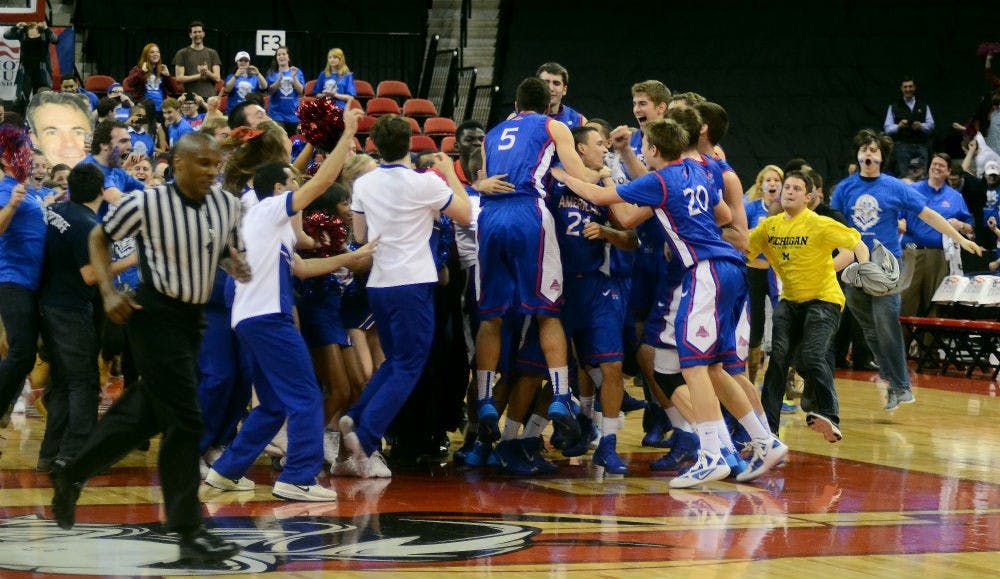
(38, 545)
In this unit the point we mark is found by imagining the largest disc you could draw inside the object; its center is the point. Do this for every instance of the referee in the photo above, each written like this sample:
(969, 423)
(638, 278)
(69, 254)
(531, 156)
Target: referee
(184, 230)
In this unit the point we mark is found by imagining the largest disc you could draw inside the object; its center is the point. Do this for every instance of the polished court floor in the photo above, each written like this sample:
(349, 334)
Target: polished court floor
(911, 493)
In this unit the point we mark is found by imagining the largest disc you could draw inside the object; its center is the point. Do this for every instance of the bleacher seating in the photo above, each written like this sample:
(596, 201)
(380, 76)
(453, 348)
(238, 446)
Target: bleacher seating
(448, 147)
(379, 106)
(98, 84)
(439, 127)
(394, 89)
(420, 109)
(364, 90)
(420, 143)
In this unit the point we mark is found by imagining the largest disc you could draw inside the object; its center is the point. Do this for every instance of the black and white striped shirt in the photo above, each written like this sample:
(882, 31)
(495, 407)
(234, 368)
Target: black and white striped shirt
(180, 241)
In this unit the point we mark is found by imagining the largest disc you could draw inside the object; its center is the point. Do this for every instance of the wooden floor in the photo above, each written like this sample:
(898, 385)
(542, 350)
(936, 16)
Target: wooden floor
(912, 493)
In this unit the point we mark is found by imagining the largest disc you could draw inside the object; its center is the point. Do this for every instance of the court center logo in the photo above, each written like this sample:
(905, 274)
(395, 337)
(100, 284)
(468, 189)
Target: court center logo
(37, 545)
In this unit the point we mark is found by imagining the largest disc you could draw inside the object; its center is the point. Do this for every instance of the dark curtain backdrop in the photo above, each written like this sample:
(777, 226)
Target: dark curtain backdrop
(383, 40)
(798, 79)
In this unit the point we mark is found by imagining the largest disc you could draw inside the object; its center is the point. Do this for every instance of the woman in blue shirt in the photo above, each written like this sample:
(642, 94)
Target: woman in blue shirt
(245, 80)
(336, 80)
(285, 83)
(758, 200)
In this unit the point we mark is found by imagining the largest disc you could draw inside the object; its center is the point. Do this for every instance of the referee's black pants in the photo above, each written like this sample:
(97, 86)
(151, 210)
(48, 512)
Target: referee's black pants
(165, 337)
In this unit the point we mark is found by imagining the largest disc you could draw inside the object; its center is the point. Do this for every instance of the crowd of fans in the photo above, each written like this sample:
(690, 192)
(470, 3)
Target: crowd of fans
(128, 135)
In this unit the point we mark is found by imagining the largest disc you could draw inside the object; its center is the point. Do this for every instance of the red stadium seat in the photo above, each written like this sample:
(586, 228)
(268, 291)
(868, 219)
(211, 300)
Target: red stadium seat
(365, 125)
(394, 89)
(439, 128)
(420, 143)
(98, 84)
(310, 85)
(448, 147)
(355, 104)
(370, 147)
(382, 106)
(414, 126)
(420, 109)
(364, 90)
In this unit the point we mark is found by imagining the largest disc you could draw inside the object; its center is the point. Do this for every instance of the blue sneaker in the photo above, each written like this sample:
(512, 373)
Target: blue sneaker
(533, 448)
(563, 419)
(475, 456)
(708, 468)
(512, 459)
(489, 420)
(897, 396)
(788, 407)
(734, 461)
(657, 437)
(589, 430)
(765, 454)
(606, 455)
(631, 403)
(684, 449)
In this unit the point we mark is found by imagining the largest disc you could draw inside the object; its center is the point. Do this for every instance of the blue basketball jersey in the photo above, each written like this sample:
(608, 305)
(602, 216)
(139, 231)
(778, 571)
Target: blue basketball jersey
(683, 201)
(521, 148)
(571, 214)
(567, 116)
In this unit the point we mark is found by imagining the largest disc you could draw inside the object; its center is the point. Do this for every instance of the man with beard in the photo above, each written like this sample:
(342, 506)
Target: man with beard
(110, 147)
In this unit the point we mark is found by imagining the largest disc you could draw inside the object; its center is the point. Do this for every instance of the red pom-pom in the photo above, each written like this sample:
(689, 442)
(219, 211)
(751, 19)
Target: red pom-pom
(329, 231)
(988, 48)
(321, 122)
(16, 151)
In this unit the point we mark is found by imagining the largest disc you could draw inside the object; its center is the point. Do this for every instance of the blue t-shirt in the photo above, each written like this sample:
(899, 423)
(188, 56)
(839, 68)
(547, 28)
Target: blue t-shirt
(243, 86)
(873, 206)
(521, 148)
(946, 201)
(683, 201)
(154, 90)
(142, 143)
(66, 251)
(568, 116)
(571, 214)
(116, 177)
(22, 245)
(341, 84)
(178, 130)
(283, 102)
(41, 193)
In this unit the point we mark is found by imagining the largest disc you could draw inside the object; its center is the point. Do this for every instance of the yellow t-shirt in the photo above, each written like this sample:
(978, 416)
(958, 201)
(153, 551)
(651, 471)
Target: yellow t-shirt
(800, 251)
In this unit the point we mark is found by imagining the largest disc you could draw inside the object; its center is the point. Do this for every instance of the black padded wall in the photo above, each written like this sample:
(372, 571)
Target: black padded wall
(798, 79)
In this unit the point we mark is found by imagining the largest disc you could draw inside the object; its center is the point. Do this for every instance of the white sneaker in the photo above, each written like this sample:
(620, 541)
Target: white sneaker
(347, 467)
(313, 492)
(766, 453)
(708, 468)
(216, 480)
(331, 446)
(351, 441)
(377, 468)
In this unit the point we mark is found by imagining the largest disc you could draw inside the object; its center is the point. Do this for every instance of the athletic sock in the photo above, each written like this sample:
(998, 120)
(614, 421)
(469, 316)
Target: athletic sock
(560, 380)
(484, 384)
(510, 429)
(534, 427)
(754, 428)
(678, 420)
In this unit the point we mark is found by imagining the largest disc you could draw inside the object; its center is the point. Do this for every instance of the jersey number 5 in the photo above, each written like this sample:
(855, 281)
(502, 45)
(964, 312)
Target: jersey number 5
(507, 138)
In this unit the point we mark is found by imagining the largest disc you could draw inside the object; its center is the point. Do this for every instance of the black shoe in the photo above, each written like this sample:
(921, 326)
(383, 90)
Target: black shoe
(204, 547)
(65, 496)
(44, 465)
(869, 366)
